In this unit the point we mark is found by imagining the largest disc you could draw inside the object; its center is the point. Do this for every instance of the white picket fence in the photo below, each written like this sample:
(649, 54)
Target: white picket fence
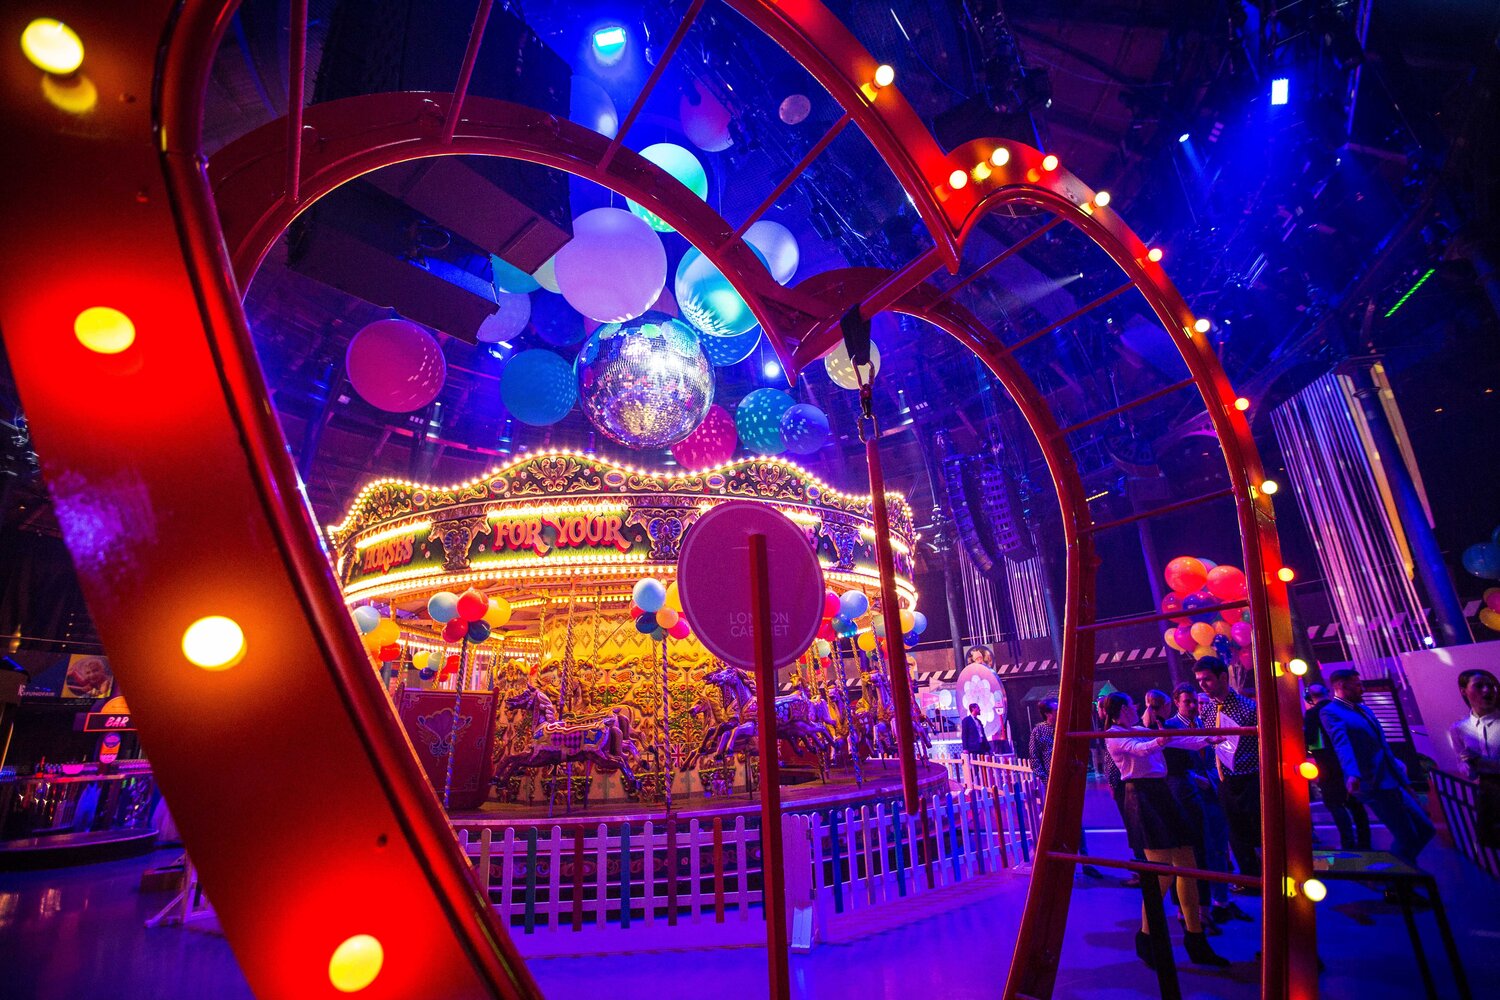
(568, 889)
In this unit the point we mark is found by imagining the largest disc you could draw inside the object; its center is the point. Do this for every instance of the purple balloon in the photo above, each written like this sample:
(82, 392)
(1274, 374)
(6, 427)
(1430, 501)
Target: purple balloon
(396, 365)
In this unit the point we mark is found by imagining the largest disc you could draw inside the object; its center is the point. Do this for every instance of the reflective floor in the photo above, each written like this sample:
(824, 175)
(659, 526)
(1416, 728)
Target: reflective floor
(80, 932)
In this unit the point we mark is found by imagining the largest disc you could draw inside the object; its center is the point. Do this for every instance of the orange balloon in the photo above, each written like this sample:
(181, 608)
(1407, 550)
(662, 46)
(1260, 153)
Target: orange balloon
(1203, 633)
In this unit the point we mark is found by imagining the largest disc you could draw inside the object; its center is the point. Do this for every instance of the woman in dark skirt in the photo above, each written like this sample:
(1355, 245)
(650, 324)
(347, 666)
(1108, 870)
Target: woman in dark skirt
(1154, 821)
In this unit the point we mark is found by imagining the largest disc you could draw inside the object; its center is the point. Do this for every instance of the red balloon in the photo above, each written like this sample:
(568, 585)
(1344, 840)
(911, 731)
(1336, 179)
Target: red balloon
(1185, 574)
(472, 605)
(450, 665)
(390, 651)
(826, 630)
(712, 442)
(830, 604)
(635, 612)
(1226, 583)
(455, 630)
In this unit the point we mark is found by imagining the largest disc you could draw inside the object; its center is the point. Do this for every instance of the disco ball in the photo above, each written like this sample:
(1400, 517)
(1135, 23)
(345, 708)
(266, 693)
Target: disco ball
(645, 383)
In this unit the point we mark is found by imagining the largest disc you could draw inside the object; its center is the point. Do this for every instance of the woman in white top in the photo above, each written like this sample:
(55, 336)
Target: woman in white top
(1476, 737)
(1154, 821)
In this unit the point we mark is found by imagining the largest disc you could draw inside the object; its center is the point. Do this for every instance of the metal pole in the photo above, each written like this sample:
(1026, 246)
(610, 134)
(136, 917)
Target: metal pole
(458, 695)
(666, 731)
(772, 876)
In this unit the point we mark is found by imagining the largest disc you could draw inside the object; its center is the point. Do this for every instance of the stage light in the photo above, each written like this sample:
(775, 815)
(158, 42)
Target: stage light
(1286, 574)
(981, 171)
(1202, 326)
(1280, 90)
(609, 44)
(771, 369)
(1000, 157)
(355, 963)
(1154, 255)
(1242, 404)
(885, 75)
(1308, 770)
(1315, 890)
(1101, 199)
(1269, 487)
(214, 643)
(957, 179)
(1298, 667)
(1049, 162)
(104, 330)
(1184, 137)
(52, 46)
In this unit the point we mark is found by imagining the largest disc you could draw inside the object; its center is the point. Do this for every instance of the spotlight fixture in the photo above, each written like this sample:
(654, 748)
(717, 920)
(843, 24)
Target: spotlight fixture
(771, 369)
(609, 44)
(1184, 137)
(1280, 91)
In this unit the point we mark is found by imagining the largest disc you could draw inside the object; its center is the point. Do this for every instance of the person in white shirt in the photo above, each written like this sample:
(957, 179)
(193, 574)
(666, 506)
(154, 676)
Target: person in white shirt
(1154, 821)
(1476, 737)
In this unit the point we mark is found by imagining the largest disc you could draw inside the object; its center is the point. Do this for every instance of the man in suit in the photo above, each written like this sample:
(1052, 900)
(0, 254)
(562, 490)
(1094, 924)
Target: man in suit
(1372, 773)
(975, 742)
(1348, 815)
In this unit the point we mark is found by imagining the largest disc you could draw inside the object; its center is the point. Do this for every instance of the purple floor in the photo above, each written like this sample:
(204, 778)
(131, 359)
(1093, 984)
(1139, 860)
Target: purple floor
(79, 933)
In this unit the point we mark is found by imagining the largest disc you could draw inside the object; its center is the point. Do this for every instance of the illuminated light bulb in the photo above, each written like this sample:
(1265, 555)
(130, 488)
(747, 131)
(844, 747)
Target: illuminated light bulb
(1298, 667)
(885, 75)
(1269, 487)
(1101, 199)
(1315, 890)
(957, 179)
(981, 171)
(76, 95)
(1000, 157)
(1308, 770)
(1242, 404)
(104, 330)
(1202, 326)
(214, 643)
(1049, 162)
(355, 963)
(52, 46)
(1154, 255)
(1285, 574)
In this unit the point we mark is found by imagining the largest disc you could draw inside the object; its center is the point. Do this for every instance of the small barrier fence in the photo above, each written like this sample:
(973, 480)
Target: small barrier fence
(702, 878)
(1459, 798)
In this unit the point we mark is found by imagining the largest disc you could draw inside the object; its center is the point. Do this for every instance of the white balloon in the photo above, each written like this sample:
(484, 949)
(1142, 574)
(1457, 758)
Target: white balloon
(614, 267)
(591, 107)
(795, 109)
(506, 321)
(546, 275)
(777, 244)
(706, 122)
(841, 367)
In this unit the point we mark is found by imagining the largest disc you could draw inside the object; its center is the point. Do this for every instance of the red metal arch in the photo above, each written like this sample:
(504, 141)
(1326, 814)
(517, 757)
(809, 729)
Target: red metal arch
(197, 426)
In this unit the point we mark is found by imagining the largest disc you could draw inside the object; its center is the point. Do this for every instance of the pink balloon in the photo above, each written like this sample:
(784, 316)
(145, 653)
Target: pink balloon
(396, 365)
(830, 604)
(1492, 599)
(1241, 633)
(681, 630)
(614, 267)
(1184, 637)
(1226, 583)
(712, 442)
(704, 120)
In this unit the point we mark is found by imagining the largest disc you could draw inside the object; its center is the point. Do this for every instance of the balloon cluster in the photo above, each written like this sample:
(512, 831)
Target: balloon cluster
(841, 620)
(1201, 583)
(470, 615)
(381, 636)
(657, 610)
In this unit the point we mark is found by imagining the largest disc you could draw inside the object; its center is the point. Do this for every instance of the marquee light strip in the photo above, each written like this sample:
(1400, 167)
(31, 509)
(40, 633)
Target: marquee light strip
(399, 531)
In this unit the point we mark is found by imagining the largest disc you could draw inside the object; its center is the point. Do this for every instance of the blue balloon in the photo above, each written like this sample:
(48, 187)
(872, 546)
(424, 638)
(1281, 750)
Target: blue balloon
(707, 299)
(842, 625)
(509, 278)
(1202, 599)
(427, 673)
(538, 387)
(725, 351)
(649, 595)
(646, 623)
(365, 619)
(1495, 536)
(853, 604)
(909, 640)
(1483, 560)
(804, 428)
(556, 322)
(758, 420)
(1221, 645)
(479, 631)
(920, 623)
(442, 607)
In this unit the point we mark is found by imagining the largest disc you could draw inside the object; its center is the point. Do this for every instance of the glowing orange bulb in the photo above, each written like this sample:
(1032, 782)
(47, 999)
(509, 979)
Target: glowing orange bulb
(104, 330)
(1154, 254)
(1202, 326)
(1269, 487)
(1049, 162)
(52, 46)
(1285, 574)
(1298, 667)
(981, 171)
(957, 179)
(1101, 199)
(1308, 770)
(1315, 890)
(1242, 404)
(214, 643)
(885, 75)
(1000, 157)
(355, 963)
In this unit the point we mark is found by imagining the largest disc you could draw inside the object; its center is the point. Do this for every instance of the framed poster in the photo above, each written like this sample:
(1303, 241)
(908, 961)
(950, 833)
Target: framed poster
(88, 676)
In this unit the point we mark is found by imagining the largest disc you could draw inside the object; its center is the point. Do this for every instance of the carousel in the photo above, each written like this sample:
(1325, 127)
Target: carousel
(536, 653)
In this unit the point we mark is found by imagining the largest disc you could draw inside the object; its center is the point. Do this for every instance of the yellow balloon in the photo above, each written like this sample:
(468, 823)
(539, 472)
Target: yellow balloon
(667, 617)
(1170, 638)
(1490, 619)
(674, 601)
(498, 613)
(419, 660)
(1203, 651)
(908, 621)
(1203, 633)
(383, 634)
(866, 641)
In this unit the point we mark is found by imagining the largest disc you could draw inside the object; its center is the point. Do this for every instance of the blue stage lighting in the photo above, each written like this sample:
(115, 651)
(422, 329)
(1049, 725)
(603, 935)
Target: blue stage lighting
(1280, 89)
(1184, 137)
(771, 369)
(609, 44)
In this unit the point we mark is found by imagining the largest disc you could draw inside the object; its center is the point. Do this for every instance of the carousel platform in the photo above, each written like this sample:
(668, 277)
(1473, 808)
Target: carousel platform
(882, 782)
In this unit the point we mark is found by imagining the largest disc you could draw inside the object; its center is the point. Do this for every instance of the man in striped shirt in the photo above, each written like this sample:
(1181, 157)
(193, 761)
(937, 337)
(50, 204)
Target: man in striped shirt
(1239, 769)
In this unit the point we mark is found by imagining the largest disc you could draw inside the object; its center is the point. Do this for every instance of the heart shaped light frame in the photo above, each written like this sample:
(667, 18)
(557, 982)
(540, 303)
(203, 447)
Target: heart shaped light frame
(292, 784)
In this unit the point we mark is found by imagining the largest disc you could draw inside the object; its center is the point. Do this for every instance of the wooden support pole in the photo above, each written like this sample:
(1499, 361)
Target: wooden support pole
(772, 877)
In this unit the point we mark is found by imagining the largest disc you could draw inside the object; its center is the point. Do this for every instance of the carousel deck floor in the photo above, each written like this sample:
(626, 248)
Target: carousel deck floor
(882, 781)
(78, 932)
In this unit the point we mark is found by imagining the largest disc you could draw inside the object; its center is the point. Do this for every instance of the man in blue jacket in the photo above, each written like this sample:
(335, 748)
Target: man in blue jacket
(973, 733)
(1372, 773)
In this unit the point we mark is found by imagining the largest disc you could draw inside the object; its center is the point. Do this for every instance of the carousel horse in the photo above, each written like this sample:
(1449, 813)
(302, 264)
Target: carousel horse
(714, 726)
(851, 730)
(601, 740)
(797, 721)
